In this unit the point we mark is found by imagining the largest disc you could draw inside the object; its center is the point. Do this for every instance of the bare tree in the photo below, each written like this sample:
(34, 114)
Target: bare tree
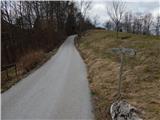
(6, 12)
(95, 20)
(85, 6)
(109, 25)
(70, 25)
(60, 8)
(127, 21)
(116, 13)
(137, 26)
(157, 30)
(147, 23)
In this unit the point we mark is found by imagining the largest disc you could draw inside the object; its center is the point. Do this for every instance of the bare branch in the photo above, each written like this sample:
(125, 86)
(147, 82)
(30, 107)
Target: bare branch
(116, 12)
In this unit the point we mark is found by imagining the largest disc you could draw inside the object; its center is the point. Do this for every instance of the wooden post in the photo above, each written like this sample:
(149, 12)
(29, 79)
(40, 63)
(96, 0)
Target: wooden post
(122, 52)
(16, 71)
(7, 74)
(120, 75)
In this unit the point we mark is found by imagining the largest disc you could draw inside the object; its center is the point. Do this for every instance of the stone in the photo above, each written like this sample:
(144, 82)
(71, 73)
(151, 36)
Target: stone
(122, 110)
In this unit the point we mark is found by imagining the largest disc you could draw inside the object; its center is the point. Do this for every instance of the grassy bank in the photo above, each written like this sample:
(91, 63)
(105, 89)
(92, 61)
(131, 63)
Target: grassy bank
(141, 78)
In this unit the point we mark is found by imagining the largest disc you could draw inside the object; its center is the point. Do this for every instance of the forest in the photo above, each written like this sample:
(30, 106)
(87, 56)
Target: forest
(38, 26)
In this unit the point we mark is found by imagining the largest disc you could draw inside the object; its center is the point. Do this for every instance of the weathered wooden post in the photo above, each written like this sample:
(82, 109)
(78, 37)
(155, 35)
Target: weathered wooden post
(7, 74)
(121, 109)
(16, 71)
(122, 52)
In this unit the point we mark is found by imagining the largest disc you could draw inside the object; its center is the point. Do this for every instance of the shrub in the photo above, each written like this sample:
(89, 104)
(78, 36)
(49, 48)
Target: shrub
(31, 60)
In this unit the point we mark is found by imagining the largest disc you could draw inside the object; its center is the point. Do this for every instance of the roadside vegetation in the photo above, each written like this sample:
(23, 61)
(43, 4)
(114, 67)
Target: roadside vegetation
(26, 64)
(141, 76)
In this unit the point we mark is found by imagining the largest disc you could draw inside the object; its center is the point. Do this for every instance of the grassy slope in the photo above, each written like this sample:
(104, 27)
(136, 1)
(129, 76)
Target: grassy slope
(141, 78)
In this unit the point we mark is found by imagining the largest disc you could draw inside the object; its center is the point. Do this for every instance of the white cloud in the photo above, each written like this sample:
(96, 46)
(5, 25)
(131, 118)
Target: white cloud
(156, 12)
(143, 6)
(121, 0)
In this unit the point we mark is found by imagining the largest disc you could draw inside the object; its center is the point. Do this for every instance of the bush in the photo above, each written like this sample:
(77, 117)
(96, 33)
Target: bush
(31, 60)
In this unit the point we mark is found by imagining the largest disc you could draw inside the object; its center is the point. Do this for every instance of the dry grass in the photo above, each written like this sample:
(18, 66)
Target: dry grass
(141, 78)
(31, 61)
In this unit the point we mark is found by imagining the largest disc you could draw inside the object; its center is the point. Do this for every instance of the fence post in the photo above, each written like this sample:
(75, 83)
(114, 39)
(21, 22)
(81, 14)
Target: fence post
(7, 74)
(16, 71)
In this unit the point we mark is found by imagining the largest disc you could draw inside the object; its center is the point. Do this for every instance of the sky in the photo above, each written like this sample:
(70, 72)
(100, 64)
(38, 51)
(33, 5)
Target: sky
(99, 8)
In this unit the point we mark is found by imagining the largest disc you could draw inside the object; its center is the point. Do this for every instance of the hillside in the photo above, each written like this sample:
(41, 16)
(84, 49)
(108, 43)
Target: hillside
(141, 78)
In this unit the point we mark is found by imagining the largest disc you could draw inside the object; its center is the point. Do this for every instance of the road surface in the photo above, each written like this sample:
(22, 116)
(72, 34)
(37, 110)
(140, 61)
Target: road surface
(57, 90)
